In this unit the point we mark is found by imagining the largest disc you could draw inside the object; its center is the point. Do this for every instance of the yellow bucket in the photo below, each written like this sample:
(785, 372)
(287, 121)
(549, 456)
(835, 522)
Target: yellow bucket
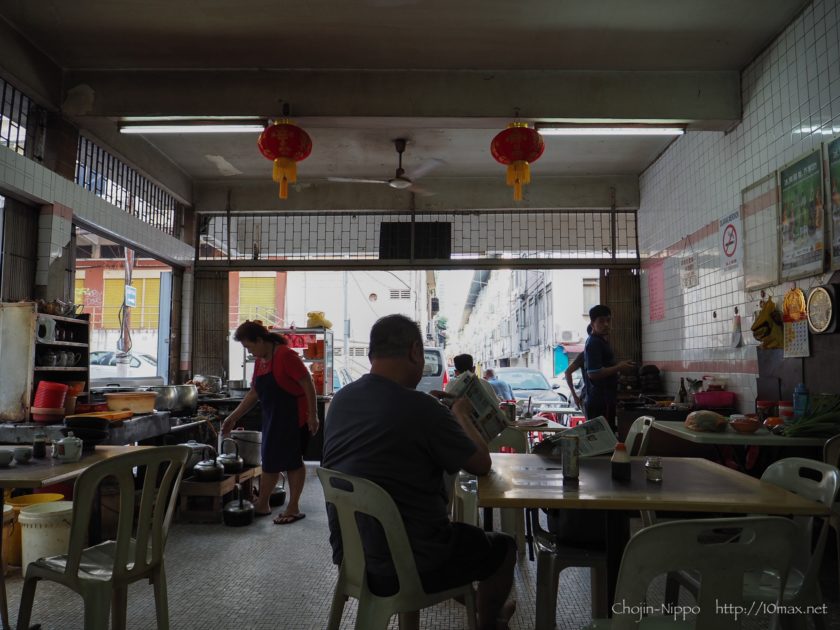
(14, 547)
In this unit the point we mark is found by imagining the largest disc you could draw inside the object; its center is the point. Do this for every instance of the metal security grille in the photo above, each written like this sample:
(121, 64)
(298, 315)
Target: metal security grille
(14, 116)
(114, 181)
(428, 240)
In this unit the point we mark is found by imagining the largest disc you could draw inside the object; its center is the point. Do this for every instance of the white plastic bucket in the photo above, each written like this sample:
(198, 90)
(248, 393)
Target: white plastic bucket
(250, 444)
(45, 530)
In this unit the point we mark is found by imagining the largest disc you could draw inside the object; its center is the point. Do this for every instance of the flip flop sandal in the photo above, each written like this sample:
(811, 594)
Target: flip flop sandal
(286, 519)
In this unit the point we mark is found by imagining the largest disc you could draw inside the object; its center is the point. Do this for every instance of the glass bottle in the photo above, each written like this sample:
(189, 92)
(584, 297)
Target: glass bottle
(683, 393)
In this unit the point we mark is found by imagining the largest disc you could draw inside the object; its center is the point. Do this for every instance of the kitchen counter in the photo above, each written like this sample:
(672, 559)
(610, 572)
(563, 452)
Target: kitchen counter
(135, 429)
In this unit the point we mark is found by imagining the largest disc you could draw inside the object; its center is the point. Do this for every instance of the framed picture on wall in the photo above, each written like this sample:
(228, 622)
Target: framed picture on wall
(801, 218)
(759, 210)
(833, 161)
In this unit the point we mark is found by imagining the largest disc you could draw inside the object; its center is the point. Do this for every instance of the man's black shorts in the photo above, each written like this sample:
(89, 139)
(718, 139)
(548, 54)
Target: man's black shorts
(475, 556)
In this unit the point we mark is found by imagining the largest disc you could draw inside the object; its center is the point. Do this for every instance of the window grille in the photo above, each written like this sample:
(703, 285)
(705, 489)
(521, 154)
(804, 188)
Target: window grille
(117, 183)
(14, 117)
(301, 240)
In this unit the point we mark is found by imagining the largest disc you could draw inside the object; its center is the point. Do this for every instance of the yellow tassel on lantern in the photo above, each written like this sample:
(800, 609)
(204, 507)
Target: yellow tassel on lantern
(518, 174)
(284, 172)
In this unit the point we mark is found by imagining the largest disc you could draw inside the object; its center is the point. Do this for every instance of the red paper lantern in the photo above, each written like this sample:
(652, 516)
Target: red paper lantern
(286, 144)
(517, 146)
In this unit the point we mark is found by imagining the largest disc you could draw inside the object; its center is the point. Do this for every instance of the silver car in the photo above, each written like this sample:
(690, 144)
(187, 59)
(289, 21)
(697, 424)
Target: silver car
(528, 383)
(434, 371)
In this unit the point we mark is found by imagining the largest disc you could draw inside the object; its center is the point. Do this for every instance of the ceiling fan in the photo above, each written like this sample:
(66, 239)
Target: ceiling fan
(401, 180)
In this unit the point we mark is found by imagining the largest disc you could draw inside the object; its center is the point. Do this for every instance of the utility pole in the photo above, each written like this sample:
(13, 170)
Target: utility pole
(346, 346)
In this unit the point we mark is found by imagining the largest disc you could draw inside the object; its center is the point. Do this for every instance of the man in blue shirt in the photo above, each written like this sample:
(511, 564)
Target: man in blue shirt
(600, 371)
(502, 388)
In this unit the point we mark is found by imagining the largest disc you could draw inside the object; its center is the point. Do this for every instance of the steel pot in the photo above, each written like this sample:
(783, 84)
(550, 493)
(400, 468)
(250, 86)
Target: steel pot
(231, 462)
(187, 397)
(238, 512)
(208, 469)
(208, 384)
(167, 397)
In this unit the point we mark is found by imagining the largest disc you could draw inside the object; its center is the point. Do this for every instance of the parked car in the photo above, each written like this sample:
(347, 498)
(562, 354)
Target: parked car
(530, 383)
(559, 384)
(434, 371)
(341, 377)
(103, 364)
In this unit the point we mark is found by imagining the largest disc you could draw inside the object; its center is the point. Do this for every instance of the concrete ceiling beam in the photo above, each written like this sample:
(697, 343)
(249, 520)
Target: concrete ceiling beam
(703, 100)
(29, 69)
(452, 194)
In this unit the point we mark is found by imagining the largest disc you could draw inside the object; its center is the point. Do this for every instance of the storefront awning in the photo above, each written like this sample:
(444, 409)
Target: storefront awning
(572, 348)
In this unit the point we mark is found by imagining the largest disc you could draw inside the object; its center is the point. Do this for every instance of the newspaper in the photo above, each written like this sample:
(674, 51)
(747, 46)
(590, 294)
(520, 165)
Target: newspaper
(485, 414)
(596, 437)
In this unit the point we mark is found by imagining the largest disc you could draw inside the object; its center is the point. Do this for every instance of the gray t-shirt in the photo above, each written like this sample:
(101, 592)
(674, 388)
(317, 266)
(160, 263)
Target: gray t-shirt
(403, 440)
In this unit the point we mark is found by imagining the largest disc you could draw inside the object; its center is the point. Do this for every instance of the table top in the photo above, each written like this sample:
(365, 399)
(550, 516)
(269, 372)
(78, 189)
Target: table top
(549, 427)
(43, 472)
(688, 485)
(730, 436)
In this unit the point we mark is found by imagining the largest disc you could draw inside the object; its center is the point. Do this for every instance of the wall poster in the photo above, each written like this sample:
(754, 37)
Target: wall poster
(656, 290)
(833, 149)
(761, 234)
(801, 222)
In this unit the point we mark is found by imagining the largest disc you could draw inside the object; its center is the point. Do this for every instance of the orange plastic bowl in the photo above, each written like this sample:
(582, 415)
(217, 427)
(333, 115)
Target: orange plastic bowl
(773, 421)
(745, 426)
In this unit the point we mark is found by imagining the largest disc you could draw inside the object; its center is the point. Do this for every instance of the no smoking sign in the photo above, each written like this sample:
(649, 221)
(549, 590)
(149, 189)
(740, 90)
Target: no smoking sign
(730, 250)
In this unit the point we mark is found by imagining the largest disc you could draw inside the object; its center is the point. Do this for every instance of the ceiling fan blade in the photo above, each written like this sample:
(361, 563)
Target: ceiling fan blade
(424, 168)
(419, 190)
(357, 180)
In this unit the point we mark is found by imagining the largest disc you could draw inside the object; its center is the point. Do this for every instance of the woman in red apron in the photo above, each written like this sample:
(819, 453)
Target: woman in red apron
(284, 389)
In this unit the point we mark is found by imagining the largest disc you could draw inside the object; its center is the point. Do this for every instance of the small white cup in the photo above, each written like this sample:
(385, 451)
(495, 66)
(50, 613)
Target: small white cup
(22, 454)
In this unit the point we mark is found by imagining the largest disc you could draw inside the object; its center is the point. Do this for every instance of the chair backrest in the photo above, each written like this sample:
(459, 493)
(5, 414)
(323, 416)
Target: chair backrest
(819, 483)
(831, 451)
(515, 439)
(722, 551)
(136, 549)
(353, 495)
(639, 429)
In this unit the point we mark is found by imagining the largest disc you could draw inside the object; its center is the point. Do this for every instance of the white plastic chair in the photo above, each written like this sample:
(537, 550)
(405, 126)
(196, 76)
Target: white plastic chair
(721, 551)
(802, 587)
(831, 455)
(552, 558)
(101, 574)
(351, 496)
(640, 427)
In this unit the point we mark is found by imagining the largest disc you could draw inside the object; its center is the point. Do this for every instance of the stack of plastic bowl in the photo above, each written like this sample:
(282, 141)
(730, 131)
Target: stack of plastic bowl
(49, 402)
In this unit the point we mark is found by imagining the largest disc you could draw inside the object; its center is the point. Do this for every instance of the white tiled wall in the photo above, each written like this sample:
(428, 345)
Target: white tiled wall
(794, 85)
(31, 181)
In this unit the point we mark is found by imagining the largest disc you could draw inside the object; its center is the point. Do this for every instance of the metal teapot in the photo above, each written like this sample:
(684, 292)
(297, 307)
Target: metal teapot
(231, 462)
(238, 512)
(208, 469)
(67, 449)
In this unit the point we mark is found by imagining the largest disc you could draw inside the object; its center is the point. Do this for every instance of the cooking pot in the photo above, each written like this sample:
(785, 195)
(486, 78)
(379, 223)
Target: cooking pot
(167, 397)
(231, 462)
(238, 389)
(187, 397)
(196, 452)
(249, 443)
(238, 512)
(208, 384)
(208, 469)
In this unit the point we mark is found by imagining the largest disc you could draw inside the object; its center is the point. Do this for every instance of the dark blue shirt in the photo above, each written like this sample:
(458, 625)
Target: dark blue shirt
(502, 389)
(597, 354)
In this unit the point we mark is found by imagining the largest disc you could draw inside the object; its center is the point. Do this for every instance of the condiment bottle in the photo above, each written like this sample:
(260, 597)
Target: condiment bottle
(39, 445)
(682, 395)
(801, 398)
(620, 463)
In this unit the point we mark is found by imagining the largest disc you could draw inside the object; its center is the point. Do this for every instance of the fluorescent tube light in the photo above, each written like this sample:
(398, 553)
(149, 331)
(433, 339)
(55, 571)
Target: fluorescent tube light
(594, 130)
(192, 126)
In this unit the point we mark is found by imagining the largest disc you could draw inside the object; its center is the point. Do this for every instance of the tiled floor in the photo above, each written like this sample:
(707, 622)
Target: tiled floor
(269, 577)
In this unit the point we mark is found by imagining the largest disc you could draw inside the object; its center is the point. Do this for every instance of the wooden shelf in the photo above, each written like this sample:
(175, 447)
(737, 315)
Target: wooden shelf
(61, 318)
(68, 344)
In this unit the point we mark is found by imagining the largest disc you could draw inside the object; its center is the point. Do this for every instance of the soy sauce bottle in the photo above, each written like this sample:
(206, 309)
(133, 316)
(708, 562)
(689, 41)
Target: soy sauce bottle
(620, 463)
